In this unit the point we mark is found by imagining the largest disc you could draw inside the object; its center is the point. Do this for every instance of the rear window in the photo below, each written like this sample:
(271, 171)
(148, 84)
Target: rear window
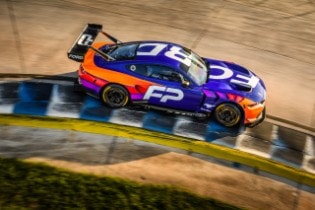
(121, 51)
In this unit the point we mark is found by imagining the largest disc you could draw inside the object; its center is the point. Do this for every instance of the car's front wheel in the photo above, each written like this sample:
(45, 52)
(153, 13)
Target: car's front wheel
(227, 114)
(115, 96)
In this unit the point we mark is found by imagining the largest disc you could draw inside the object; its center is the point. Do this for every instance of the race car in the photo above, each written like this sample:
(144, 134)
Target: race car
(169, 77)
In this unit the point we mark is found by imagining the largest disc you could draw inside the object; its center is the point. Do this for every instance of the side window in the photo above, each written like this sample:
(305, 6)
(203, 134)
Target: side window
(139, 69)
(163, 73)
(156, 72)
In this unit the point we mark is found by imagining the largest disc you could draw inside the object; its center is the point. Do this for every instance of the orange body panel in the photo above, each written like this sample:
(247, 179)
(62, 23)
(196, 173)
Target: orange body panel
(251, 112)
(111, 76)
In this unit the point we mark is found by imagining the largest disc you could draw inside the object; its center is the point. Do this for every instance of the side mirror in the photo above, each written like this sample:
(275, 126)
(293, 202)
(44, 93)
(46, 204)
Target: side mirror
(185, 83)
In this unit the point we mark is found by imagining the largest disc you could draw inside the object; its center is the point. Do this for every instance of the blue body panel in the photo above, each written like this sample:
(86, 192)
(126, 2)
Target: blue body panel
(223, 78)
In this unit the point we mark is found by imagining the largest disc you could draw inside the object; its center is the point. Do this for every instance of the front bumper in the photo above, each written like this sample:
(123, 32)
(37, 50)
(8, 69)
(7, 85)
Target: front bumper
(258, 120)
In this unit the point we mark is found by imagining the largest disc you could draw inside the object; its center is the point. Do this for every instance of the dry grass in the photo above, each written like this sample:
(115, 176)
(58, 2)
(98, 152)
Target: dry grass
(204, 178)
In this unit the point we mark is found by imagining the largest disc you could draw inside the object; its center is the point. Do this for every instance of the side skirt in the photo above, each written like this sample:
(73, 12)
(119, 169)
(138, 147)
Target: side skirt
(174, 111)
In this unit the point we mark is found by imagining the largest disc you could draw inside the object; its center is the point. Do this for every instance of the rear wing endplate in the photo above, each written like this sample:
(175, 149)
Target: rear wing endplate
(85, 41)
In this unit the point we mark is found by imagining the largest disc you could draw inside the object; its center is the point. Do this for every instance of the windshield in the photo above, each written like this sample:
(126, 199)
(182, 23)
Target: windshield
(197, 70)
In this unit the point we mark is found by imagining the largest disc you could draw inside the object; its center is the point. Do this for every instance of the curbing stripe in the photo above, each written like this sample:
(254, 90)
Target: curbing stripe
(48, 98)
(217, 151)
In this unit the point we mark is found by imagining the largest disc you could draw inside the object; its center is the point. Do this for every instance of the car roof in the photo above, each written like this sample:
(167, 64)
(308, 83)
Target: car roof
(157, 52)
(146, 52)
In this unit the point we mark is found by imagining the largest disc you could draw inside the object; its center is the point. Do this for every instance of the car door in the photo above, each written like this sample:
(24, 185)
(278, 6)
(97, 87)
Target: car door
(170, 92)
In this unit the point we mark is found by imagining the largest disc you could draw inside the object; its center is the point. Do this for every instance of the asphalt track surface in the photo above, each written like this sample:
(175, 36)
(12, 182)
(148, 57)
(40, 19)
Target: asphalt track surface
(273, 39)
(56, 98)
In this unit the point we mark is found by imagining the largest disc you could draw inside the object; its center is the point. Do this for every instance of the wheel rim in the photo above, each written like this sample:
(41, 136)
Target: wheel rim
(115, 97)
(227, 114)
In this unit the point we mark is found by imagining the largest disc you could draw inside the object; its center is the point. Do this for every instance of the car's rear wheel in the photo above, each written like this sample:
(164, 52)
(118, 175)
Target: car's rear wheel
(228, 114)
(115, 96)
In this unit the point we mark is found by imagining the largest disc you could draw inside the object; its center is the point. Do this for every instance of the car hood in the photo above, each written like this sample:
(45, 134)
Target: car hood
(230, 77)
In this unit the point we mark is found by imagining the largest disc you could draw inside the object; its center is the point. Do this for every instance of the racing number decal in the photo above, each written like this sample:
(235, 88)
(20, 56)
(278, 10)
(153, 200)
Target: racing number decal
(85, 39)
(176, 54)
(164, 94)
(157, 48)
(153, 49)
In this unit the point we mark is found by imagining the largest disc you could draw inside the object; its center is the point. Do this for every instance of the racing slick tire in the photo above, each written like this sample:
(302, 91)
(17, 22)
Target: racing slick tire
(115, 96)
(228, 114)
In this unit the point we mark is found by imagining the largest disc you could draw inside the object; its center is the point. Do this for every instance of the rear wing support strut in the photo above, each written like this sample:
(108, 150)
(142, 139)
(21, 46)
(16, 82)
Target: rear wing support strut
(85, 41)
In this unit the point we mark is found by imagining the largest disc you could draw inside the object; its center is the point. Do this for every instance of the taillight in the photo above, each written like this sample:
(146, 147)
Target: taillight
(82, 70)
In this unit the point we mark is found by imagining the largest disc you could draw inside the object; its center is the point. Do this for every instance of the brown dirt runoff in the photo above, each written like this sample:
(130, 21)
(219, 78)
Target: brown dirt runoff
(201, 177)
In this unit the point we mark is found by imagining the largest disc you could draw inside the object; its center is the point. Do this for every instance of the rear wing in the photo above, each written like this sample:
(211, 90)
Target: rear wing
(85, 41)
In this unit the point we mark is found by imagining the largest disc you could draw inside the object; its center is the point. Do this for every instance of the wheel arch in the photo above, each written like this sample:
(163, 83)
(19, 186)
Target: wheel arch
(113, 83)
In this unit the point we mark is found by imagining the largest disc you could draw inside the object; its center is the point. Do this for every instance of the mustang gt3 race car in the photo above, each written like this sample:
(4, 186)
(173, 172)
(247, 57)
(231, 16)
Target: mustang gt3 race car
(168, 77)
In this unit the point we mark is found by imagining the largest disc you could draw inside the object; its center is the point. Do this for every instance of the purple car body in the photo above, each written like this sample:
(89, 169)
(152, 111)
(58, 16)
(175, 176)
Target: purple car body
(170, 77)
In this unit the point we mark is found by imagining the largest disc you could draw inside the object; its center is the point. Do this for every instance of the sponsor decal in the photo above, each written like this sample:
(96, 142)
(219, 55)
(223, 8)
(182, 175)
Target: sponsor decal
(176, 53)
(164, 94)
(80, 57)
(227, 73)
(251, 81)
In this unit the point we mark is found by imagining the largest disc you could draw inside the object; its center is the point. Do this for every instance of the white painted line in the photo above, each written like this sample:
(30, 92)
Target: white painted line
(54, 102)
(55, 113)
(118, 118)
(256, 152)
(309, 146)
(305, 164)
(181, 120)
(239, 140)
(6, 108)
(274, 132)
(309, 154)
(54, 98)
(241, 147)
